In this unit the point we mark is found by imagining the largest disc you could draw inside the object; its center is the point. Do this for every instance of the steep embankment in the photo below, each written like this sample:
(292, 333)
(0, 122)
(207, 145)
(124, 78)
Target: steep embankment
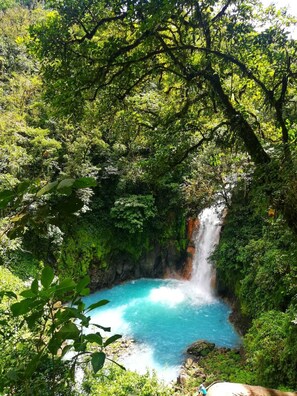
(257, 268)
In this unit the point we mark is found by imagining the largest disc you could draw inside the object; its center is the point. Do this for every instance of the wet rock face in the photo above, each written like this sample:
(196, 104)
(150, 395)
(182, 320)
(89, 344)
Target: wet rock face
(156, 263)
(200, 348)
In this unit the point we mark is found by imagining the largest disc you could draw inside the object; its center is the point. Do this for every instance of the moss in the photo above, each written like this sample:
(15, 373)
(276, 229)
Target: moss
(82, 248)
(8, 281)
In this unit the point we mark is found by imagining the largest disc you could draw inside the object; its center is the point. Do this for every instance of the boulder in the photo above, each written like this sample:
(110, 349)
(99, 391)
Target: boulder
(200, 348)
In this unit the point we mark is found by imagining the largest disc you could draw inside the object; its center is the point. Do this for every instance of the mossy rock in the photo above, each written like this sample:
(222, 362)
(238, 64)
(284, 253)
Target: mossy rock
(200, 348)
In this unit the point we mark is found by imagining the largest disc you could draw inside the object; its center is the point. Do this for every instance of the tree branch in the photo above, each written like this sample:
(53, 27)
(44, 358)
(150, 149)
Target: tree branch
(222, 12)
(89, 35)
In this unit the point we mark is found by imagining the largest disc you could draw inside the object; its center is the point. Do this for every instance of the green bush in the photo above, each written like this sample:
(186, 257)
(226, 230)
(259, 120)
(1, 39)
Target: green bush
(227, 366)
(116, 381)
(133, 212)
(271, 348)
(257, 258)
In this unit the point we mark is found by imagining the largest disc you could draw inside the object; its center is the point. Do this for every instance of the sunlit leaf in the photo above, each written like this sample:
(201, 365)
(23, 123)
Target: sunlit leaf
(47, 188)
(97, 305)
(112, 339)
(65, 186)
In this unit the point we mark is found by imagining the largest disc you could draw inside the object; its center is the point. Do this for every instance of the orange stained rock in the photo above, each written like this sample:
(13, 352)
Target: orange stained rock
(192, 227)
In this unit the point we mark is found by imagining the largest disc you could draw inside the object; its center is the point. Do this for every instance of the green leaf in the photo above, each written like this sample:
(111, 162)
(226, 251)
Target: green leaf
(47, 189)
(15, 232)
(112, 339)
(85, 292)
(69, 331)
(64, 286)
(70, 312)
(79, 345)
(96, 338)
(12, 375)
(47, 276)
(82, 284)
(4, 202)
(84, 182)
(55, 343)
(28, 293)
(32, 365)
(7, 293)
(33, 319)
(34, 286)
(97, 360)
(65, 186)
(97, 305)
(22, 307)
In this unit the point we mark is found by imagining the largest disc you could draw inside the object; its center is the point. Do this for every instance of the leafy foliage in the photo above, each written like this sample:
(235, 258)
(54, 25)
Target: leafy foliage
(131, 213)
(256, 256)
(271, 349)
(113, 381)
(163, 104)
(256, 260)
(227, 366)
(55, 330)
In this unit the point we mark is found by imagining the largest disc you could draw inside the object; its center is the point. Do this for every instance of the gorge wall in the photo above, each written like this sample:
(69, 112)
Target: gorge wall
(160, 262)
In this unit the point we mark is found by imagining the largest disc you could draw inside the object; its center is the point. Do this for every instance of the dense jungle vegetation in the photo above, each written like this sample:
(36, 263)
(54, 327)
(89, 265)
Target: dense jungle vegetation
(118, 121)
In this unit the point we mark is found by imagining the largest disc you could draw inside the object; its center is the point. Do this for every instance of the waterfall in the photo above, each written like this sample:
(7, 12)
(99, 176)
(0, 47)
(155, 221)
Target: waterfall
(207, 238)
(164, 316)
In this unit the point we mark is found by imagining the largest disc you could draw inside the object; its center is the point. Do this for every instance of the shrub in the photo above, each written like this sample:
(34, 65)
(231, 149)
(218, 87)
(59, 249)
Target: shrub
(271, 348)
(116, 381)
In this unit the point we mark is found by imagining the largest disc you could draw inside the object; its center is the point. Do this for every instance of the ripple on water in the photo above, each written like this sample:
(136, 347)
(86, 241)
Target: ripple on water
(163, 317)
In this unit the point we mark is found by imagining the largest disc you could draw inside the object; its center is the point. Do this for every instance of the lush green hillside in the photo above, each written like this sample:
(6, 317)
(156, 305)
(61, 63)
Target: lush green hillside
(257, 266)
(118, 121)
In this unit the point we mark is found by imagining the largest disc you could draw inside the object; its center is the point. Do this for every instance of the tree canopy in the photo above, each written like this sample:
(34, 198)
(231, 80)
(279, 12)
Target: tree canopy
(220, 63)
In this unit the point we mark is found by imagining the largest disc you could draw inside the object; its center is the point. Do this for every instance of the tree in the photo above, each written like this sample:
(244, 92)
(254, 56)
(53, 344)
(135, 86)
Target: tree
(212, 53)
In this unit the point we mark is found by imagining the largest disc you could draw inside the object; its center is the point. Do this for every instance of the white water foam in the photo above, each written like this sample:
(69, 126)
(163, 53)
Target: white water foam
(112, 318)
(206, 240)
(147, 363)
(167, 295)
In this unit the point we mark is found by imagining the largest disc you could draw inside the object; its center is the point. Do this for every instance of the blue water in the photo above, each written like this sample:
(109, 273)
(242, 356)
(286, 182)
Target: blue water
(164, 317)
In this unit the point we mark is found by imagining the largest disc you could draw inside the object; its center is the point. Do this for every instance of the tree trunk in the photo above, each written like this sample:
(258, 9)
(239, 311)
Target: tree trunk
(238, 123)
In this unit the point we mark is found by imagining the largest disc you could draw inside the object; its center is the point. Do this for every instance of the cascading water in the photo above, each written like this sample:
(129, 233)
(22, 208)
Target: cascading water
(206, 240)
(165, 316)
